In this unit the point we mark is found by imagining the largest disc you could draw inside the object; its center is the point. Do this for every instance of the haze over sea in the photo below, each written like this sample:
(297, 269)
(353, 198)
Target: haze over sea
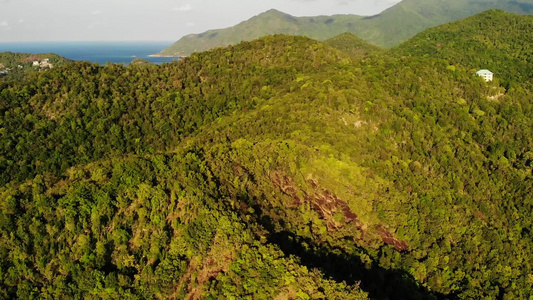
(96, 52)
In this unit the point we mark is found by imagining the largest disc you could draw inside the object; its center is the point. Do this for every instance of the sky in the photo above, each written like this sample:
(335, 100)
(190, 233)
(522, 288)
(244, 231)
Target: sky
(151, 20)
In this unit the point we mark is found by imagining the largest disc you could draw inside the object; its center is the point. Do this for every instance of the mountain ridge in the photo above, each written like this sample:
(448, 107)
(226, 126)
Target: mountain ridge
(386, 29)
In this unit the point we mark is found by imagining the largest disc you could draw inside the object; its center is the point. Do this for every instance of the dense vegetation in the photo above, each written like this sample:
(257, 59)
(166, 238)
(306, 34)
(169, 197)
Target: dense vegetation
(280, 168)
(387, 29)
(409, 17)
(352, 45)
(485, 41)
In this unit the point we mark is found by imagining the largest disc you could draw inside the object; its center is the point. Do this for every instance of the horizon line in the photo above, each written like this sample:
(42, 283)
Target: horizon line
(88, 41)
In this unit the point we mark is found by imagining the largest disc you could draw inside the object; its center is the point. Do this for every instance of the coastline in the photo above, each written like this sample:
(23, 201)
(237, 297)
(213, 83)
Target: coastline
(94, 52)
(163, 55)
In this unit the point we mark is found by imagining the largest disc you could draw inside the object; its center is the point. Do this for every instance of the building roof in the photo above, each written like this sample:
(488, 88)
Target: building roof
(484, 72)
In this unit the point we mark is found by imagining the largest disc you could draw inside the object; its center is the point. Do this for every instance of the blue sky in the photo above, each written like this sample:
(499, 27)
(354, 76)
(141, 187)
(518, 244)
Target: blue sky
(154, 20)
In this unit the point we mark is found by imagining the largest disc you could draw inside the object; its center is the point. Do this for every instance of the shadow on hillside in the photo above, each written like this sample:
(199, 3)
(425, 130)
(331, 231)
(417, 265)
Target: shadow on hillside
(378, 282)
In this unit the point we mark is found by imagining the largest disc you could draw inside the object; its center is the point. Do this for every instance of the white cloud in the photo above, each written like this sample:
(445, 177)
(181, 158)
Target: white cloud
(96, 12)
(185, 7)
(190, 24)
(96, 24)
(4, 26)
(21, 20)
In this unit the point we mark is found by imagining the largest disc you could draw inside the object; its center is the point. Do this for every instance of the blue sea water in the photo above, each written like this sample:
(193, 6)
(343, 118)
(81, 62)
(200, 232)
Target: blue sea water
(96, 52)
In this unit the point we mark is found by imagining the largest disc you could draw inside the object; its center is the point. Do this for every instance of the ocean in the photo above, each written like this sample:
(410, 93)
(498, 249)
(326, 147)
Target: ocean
(95, 52)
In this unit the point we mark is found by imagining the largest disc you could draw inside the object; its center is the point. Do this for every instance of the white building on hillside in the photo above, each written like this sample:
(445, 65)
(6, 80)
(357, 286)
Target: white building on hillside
(486, 74)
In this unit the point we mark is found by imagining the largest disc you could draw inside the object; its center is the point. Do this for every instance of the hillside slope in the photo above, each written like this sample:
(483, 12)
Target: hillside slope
(352, 45)
(409, 17)
(386, 29)
(493, 40)
(277, 168)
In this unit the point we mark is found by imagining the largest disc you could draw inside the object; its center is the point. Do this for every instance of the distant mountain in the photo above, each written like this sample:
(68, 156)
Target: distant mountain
(494, 39)
(387, 29)
(267, 23)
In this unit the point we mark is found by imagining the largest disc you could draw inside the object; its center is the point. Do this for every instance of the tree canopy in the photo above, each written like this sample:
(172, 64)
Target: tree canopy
(278, 168)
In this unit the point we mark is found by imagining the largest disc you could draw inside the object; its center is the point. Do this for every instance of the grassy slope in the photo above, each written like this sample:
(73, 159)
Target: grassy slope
(387, 29)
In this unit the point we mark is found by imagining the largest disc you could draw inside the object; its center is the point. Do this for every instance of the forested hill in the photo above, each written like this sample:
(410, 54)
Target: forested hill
(352, 45)
(389, 28)
(495, 40)
(280, 168)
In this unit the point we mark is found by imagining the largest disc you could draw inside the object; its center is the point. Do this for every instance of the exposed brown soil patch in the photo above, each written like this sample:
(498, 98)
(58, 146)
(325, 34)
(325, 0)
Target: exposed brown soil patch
(389, 239)
(328, 205)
